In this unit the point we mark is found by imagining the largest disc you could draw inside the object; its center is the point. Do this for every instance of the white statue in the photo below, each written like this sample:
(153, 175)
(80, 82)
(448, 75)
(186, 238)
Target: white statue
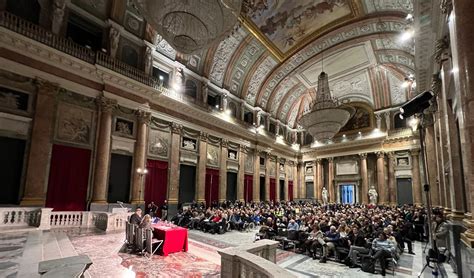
(114, 37)
(325, 195)
(373, 195)
(58, 16)
(224, 102)
(148, 60)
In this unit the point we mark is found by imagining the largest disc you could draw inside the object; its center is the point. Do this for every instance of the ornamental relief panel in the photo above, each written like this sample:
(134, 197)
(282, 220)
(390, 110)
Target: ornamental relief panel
(223, 54)
(352, 86)
(158, 143)
(258, 77)
(248, 166)
(213, 155)
(74, 124)
(351, 32)
(285, 86)
(397, 93)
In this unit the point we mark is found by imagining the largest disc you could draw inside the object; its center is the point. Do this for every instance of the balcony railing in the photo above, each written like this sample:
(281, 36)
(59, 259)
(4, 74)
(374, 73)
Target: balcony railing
(42, 35)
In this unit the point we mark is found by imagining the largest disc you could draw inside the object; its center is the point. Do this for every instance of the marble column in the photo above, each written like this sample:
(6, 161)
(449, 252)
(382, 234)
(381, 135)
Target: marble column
(455, 175)
(102, 160)
(431, 166)
(139, 158)
(241, 173)
(381, 186)
(392, 189)
(201, 168)
(364, 194)
(439, 160)
(256, 176)
(416, 179)
(444, 151)
(315, 180)
(461, 36)
(267, 176)
(331, 189)
(300, 178)
(42, 131)
(287, 168)
(277, 179)
(173, 185)
(223, 171)
(318, 179)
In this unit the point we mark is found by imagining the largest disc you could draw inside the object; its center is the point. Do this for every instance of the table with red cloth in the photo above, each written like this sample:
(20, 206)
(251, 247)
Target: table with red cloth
(175, 239)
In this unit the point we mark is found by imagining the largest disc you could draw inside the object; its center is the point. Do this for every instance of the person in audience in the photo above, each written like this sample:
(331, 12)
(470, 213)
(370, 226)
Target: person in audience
(136, 218)
(293, 226)
(357, 243)
(146, 222)
(330, 238)
(440, 231)
(383, 249)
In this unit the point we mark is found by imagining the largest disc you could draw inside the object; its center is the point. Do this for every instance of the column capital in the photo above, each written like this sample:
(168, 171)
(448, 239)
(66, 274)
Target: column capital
(415, 152)
(318, 160)
(330, 159)
(224, 143)
(106, 104)
(176, 128)
(203, 136)
(46, 87)
(446, 6)
(391, 155)
(243, 149)
(143, 116)
(380, 154)
(363, 155)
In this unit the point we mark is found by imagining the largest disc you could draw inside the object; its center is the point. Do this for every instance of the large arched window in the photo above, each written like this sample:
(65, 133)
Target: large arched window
(190, 89)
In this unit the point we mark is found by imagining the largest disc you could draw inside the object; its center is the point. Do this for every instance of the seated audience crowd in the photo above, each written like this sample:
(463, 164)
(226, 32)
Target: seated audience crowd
(357, 235)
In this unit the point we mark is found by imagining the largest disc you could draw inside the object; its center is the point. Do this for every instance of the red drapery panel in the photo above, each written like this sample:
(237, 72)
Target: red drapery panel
(212, 186)
(156, 182)
(272, 190)
(248, 188)
(290, 190)
(68, 178)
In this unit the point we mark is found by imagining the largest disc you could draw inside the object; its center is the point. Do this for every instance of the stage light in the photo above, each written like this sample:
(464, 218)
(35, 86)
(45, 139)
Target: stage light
(455, 70)
(409, 17)
(228, 112)
(408, 34)
(416, 105)
(161, 77)
(405, 84)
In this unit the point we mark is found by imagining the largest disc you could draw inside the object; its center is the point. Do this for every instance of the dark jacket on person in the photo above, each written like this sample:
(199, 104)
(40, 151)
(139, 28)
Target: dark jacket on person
(135, 219)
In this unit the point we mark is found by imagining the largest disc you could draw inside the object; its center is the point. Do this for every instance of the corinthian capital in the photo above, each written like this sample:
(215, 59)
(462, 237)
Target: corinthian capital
(176, 128)
(106, 104)
(46, 88)
(143, 116)
(380, 154)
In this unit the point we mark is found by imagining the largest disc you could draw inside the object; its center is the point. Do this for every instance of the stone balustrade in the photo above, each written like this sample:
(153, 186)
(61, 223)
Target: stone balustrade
(252, 260)
(17, 217)
(45, 219)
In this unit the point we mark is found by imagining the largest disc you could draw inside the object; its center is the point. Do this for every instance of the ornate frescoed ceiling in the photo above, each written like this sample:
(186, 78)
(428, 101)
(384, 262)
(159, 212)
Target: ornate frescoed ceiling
(274, 59)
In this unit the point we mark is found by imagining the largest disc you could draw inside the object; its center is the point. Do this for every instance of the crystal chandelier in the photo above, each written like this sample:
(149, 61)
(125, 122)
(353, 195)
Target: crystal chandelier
(191, 25)
(326, 116)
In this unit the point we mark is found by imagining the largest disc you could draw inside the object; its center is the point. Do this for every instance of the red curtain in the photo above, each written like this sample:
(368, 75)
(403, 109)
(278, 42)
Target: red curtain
(248, 188)
(156, 183)
(272, 190)
(290, 190)
(212, 186)
(68, 179)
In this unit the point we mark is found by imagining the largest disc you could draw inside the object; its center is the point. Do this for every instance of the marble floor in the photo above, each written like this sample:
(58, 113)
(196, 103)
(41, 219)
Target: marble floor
(20, 252)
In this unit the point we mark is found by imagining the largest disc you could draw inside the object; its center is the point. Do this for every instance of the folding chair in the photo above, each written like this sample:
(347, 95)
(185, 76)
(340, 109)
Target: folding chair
(138, 240)
(150, 242)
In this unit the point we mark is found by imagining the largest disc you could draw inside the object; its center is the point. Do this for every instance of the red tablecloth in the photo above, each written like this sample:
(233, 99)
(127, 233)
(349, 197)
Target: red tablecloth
(174, 239)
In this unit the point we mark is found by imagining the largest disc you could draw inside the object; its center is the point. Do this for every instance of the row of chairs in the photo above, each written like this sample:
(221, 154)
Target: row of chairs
(141, 240)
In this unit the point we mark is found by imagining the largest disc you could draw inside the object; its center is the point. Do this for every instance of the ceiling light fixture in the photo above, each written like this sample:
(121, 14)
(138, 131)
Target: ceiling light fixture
(189, 26)
(327, 115)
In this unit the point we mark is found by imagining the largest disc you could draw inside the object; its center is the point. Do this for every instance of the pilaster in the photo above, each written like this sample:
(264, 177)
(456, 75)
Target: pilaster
(381, 187)
(201, 174)
(139, 158)
(365, 179)
(223, 171)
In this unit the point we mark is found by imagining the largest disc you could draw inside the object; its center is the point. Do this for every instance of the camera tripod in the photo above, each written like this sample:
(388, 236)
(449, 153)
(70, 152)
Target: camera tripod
(433, 254)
